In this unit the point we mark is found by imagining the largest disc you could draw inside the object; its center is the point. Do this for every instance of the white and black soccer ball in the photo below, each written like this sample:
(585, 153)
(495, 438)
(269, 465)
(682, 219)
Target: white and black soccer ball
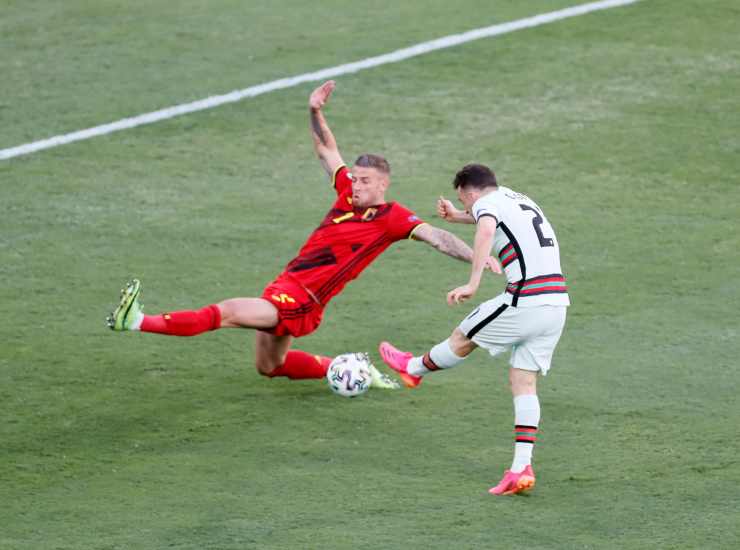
(349, 374)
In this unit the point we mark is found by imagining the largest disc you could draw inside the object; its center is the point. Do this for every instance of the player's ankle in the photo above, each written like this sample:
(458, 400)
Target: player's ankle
(415, 367)
(136, 321)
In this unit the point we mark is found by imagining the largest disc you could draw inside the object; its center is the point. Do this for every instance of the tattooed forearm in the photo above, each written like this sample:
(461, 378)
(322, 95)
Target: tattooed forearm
(317, 128)
(449, 244)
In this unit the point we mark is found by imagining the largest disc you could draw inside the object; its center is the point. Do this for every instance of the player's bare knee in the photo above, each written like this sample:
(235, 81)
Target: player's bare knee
(265, 366)
(227, 313)
(460, 344)
(522, 381)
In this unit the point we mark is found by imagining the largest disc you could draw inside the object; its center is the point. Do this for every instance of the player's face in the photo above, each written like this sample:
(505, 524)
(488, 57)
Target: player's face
(467, 197)
(368, 186)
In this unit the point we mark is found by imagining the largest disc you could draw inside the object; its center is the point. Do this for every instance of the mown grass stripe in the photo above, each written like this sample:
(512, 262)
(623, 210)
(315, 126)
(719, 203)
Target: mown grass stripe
(323, 74)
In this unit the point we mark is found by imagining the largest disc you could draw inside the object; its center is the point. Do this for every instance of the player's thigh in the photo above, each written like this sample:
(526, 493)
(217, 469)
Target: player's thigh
(248, 313)
(543, 325)
(492, 326)
(270, 350)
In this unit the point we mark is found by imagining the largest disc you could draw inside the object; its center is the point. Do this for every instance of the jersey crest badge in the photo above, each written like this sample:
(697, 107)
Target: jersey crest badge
(369, 214)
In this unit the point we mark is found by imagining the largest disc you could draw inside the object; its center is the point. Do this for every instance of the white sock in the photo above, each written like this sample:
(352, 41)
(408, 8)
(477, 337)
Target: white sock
(526, 420)
(136, 323)
(439, 357)
(416, 367)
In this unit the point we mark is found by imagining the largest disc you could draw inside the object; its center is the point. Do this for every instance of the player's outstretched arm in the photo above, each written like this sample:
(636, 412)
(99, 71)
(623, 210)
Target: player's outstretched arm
(448, 212)
(323, 140)
(451, 245)
(444, 241)
(481, 249)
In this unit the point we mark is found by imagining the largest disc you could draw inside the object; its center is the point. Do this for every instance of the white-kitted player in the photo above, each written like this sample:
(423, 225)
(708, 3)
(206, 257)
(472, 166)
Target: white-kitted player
(527, 318)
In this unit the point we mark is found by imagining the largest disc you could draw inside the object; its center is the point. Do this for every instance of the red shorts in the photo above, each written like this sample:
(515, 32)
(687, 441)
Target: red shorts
(298, 312)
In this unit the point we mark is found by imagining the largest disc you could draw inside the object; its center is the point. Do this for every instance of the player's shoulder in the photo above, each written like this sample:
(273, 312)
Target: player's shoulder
(398, 209)
(344, 200)
(505, 198)
(395, 205)
(488, 204)
(342, 171)
(342, 179)
(508, 194)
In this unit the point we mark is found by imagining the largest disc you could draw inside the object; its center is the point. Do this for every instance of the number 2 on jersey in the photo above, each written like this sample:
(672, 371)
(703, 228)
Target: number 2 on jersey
(537, 224)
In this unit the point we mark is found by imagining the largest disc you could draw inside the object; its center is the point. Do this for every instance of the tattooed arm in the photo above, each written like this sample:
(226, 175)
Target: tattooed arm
(444, 241)
(450, 244)
(323, 140)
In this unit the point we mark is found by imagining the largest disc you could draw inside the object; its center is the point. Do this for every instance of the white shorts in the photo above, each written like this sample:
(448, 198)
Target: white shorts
(531, 333)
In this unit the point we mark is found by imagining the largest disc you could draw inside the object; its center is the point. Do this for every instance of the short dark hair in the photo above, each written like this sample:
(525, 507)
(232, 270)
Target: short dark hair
(477, 176)
(374, 161)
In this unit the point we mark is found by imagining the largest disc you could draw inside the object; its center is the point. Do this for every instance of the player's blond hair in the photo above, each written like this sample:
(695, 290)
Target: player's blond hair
(374, 161)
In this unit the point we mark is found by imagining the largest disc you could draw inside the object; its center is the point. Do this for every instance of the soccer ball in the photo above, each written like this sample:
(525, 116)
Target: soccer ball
(349, 374)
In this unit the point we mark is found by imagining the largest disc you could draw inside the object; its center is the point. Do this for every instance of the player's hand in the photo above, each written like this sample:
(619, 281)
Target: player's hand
(320, 95)
(446, 210)
(493, 265)
(460, 294)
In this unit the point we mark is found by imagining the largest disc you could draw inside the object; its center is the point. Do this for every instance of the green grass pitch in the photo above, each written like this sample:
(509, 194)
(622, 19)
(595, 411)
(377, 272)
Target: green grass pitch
(624, 125)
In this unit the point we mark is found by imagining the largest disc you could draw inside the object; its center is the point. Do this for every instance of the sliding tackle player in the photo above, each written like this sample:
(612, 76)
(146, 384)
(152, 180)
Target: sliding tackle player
(358, 227)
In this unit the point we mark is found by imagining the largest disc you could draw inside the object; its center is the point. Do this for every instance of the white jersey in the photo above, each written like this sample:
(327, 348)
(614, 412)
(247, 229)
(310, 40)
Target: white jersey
(526, 245)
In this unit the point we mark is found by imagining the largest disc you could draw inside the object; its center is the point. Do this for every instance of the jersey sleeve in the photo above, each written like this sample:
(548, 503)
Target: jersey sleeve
(342, 179)
(402, 222)
(483, 208)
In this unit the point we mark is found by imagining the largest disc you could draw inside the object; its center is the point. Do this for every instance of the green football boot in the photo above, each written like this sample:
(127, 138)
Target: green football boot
(380, 380)
(129, 309)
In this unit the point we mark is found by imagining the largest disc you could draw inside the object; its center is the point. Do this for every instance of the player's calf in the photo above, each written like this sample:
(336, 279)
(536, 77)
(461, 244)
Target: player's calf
(297, 365)
(129, 316)
(520, 477)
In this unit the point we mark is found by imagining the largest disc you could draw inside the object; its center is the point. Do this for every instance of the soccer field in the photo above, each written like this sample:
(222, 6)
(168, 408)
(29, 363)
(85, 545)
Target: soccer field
(623, 124)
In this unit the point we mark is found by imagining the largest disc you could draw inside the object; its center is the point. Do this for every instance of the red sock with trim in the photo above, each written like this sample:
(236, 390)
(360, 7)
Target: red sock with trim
(300, 365)
(183, 323)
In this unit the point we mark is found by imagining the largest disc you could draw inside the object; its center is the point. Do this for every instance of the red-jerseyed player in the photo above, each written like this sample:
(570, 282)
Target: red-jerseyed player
(359, 226)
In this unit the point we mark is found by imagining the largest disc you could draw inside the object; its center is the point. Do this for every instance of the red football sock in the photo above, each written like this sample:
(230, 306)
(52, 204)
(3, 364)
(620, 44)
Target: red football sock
(183, 323)
(299, 365)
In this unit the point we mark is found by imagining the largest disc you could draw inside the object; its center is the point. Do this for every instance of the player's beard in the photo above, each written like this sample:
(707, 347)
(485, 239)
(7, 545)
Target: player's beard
(365, 201)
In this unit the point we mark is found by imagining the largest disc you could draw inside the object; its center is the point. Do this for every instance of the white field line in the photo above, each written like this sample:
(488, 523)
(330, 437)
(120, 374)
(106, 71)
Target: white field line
(237, 95)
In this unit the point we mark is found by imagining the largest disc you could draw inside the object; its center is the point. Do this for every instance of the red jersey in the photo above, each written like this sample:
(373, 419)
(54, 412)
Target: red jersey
(347, 241)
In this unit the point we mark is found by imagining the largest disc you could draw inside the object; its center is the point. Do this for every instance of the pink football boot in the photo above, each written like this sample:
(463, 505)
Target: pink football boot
(512, 483)
(398, 360)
